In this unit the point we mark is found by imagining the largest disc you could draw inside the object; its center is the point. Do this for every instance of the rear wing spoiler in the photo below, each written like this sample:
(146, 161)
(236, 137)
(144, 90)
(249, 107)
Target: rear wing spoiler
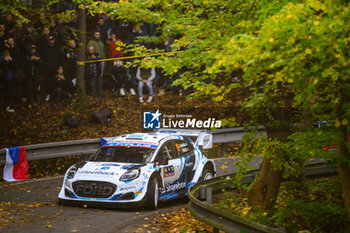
(201, 137)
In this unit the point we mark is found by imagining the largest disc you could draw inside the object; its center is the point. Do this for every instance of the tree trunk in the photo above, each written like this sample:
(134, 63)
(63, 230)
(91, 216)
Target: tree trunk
(81, 51)
(343, 166)
(265, 190)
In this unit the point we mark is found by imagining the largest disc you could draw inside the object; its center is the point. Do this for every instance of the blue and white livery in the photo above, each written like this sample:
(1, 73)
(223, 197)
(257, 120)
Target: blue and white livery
(139, 168)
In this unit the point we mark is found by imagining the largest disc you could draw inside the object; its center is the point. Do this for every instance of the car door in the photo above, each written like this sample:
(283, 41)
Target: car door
(187, 158)
(170, 165)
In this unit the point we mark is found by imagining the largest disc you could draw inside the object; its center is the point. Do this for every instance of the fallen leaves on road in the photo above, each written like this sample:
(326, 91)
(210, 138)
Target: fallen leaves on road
(181, 221)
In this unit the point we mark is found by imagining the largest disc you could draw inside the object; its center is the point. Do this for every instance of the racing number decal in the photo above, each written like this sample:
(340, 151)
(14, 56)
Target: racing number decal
(177, 147)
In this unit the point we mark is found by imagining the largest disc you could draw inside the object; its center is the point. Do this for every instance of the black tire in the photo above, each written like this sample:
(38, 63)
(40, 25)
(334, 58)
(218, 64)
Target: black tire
(152, 194)
(207, 174)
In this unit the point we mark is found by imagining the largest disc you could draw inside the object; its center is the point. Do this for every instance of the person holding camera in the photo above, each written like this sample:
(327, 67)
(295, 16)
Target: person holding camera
(61, 87)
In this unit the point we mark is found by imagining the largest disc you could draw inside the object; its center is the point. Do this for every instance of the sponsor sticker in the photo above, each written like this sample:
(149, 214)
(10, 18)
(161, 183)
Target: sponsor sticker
(128, 144)
(173, 187)
(108, 165)
(168, 171)
(127, 188)
(97, 173)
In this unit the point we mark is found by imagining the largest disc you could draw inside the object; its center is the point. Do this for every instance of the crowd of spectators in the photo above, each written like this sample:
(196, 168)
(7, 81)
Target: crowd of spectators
(39, 59)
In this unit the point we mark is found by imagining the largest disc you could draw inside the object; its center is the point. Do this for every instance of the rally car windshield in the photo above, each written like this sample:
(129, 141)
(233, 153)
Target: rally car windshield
(123, 154)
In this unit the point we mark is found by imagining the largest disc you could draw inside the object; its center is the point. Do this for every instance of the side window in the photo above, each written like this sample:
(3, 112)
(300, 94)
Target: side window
(108, 157)
(183, 148)
(167, 151)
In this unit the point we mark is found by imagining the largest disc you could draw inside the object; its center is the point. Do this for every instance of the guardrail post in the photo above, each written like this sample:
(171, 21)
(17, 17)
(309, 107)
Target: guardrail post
(202, 192)
(209, 195)
(222, 145)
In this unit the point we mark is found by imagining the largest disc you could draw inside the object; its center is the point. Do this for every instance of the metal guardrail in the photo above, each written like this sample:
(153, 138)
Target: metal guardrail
(58, 149)
(232, 223)
(90, 146)
(223, 136)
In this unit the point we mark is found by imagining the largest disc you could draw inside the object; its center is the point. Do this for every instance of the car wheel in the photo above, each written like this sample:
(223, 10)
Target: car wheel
(207, 174)
(152, 194)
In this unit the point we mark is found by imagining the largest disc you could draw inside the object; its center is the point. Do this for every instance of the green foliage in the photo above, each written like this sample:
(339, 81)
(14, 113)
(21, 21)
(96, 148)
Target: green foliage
(323, 211)
(293, 54)
(21, 12)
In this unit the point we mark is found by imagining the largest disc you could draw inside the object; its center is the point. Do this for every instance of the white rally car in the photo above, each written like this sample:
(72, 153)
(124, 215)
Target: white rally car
(139, 168)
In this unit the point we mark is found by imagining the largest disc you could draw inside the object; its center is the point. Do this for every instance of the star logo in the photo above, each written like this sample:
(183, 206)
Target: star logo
(151, 120)
(156, 115)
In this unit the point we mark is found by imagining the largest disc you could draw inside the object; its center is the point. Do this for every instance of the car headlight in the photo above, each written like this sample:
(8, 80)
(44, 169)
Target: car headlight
(71, 172)
(130, 175)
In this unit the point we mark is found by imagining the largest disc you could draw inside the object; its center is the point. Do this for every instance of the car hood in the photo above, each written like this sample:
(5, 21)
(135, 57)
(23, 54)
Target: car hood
(107, 170)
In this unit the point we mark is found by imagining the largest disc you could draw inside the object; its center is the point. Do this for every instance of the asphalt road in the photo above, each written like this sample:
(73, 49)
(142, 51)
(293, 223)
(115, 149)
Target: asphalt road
(31, 207)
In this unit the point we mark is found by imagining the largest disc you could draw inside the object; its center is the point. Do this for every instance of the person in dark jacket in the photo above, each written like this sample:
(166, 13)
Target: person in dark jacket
(72, 26)
(10, 26)
(93, 73)
(29, 37)
(13, 60)
(41, 22)
(52, 58)
(42, 41)
(32, 72)
(61, 87)
(9, 67)
(121, 78)
(103, 28)
(124, 29)
(136, 32)
(55, 30)
(70, 56)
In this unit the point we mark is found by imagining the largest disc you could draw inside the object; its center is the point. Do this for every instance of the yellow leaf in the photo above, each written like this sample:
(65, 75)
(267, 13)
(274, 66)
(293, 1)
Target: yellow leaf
(271, 40)
(344, 122)
(337, 123)
(48, 225)
(308, 51)
(316, 23)
(223, 167)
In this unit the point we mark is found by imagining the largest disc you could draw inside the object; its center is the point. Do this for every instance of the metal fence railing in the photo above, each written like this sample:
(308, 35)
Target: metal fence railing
(89, 146)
